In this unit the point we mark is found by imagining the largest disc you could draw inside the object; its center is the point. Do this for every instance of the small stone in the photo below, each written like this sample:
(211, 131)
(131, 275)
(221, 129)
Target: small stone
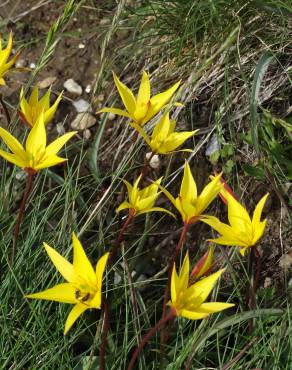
(47, 82)
(88, 89)
(212, 146)
(72, 87)
(20, 63)
(117, 279)
(60, 128)
(87, 134)
(111, 116)
(81, 46)
(154, 161)
(32, 65)
(81, 106)
(20, 175)
(285, 261)
(83, 121)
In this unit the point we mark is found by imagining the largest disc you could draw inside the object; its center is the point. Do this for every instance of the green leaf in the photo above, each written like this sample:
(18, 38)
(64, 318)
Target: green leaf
(257, 172)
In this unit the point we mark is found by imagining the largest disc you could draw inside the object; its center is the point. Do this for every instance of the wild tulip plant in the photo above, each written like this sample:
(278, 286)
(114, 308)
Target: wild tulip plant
(186, 293)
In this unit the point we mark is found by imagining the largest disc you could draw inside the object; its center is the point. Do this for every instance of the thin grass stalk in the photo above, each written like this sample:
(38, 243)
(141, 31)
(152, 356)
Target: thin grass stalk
(27, 191)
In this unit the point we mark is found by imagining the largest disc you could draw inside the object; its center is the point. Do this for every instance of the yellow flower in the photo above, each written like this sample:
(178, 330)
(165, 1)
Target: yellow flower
(142, 108)
(142, 201)
(30, 110)
(189, 301)
(189, 204)
(242, 231)
(5, 65)
(164, 140)
(83, 287)
(36, 155)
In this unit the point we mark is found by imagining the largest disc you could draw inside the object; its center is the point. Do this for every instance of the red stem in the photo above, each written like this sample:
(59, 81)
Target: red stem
(105, 330)
(5, 109)
(170, 268)
(148, 336)
(27, 191)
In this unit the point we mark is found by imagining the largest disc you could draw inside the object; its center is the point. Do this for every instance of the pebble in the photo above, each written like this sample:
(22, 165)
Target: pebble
(32, 65)
(20, 175)
(48, 81)
(82, 105)
(111, 116)
(155, 161)
(81, 46)
(100, 97)
(212, 146)
(88, 89)
(72, 87)
(20, 63)
(267, 282)
(87, 134)
(104, 21)
(83, 121)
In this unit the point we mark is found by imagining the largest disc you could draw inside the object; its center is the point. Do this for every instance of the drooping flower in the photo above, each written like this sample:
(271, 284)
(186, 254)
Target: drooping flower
(189, 300)
(84, 285)
(204, 264)
(144, 107)
(142, 200)
(189, 204)
(36, 155)
(163, 139)
(5, 65)
(243, 231)
(30, 110)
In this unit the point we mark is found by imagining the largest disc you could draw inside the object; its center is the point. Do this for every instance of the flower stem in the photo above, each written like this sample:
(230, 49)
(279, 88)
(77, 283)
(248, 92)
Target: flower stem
(104, 333)
(254, 280)
(146, 166)
(148, 336)
(170, 268)
(111, 259)
(27, 191)
(5, 109)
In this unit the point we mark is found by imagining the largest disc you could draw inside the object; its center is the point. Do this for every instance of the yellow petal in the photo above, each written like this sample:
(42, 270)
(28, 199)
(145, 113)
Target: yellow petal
(12, 143)
(50, 161)
(34, 97)
(157, 209)
(12, 158)
(123, 205)
(58, 144)
(258, 231)
(126, 95)
(188, 189)
(141, 132)
(243, 250)
(62, 265)
(211, 307)
(49, 113)
(209, 193)
(176, 139)
(147, 202)
(81, 263)
(76, 311)
(144, 90)
(192, 315)
(37, 139)
(100, 267)
(162, 128)
(116, 111)
(158, 101)
(203, 288)
(183, 278)
(237, 215)
(96, 300)
(258, 210)
(64, 293)
(168, 195)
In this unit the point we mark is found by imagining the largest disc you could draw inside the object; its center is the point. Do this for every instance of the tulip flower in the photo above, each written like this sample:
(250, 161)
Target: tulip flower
(5, 65)
(204, 264)
(189, 204)
(189, 300)
(36, 155)
(30, 110)
(142, 201)
(144, 107)
(243, 231)
(83, 287)
(164, 140)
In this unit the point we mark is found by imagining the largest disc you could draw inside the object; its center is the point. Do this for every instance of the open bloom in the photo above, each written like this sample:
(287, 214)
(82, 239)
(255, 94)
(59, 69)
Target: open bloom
(164, 140)
(83, 287)
(142, 108)
(36, 155)
(30, 110)
(189, 300)
(142, 201)
(189, 204)
(5, 65)
(242, 231)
